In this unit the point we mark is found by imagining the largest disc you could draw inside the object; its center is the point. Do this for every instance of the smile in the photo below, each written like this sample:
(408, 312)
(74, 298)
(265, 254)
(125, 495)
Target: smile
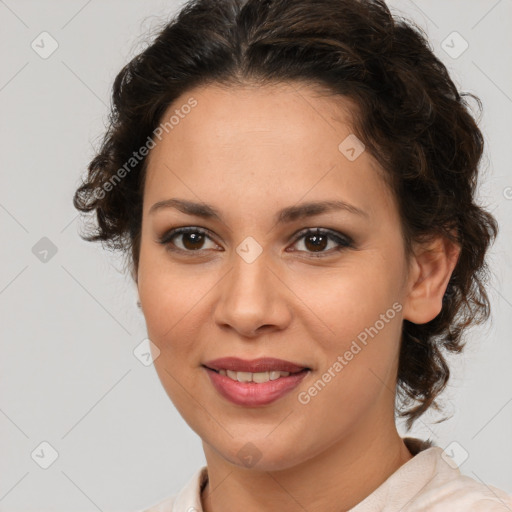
(259, 377)
(254, 389)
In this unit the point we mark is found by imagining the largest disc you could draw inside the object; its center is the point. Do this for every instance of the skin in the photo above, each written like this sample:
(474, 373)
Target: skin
(250, 152)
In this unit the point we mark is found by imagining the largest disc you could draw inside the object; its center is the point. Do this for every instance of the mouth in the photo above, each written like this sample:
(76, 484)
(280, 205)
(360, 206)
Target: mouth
(257, 377)
(259, 371)
(254, 383)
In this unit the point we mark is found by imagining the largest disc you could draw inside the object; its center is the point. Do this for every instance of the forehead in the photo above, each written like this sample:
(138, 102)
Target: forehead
(255, 141)
(228, 111)
(283, 114)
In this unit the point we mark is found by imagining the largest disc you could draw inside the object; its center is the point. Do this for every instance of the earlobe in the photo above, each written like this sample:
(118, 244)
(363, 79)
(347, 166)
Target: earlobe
(135, 276)
(431, 269)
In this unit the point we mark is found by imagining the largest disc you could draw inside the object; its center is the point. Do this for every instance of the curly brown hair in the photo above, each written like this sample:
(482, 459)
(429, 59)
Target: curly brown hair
(408, 113)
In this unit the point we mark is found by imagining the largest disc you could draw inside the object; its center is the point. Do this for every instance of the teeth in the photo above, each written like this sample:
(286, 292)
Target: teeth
(259, 377)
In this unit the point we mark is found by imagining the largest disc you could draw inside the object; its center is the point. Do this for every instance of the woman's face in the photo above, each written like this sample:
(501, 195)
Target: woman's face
(254, 283)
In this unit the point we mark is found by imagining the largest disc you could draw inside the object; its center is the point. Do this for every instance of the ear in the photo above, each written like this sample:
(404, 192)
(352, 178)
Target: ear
(134, 274)
(431, 267)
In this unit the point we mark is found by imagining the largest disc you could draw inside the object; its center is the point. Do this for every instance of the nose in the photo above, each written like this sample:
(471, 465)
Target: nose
(252, 299)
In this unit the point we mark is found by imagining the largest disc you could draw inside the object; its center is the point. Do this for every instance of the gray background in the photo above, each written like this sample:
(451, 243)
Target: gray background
(69, 324)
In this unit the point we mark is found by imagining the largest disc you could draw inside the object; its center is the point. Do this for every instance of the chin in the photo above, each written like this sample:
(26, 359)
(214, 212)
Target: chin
(260, 454)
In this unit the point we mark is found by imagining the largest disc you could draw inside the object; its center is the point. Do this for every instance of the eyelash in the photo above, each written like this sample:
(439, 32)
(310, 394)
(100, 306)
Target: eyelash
(343, 241)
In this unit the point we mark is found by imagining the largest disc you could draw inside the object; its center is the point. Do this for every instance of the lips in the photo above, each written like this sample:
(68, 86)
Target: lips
(264, 364)
(255, 394)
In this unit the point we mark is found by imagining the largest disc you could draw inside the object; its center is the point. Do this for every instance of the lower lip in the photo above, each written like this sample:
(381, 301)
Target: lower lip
(253, 394)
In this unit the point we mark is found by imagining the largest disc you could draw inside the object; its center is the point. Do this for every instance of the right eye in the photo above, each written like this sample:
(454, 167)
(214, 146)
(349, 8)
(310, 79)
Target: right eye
(192, 239)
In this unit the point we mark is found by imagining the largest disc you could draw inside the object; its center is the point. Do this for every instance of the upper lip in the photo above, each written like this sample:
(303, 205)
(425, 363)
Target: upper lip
(263, 364)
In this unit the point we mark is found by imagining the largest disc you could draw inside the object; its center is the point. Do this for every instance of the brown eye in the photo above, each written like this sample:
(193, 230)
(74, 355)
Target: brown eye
(192, 239)
(317, 240)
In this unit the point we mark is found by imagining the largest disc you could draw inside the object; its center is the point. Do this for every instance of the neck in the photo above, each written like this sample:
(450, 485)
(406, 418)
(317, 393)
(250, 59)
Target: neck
(335, 480)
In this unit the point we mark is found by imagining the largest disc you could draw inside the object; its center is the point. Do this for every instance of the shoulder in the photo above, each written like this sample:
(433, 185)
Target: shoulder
(163, 506)
(448, 489)
(432, 482)
(461, 493)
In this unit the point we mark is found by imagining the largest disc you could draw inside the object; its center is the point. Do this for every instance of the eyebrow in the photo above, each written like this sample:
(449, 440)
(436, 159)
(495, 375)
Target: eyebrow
(286, 215)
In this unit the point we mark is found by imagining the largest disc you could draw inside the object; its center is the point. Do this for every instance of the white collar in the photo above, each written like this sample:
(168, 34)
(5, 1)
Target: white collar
(426, 482)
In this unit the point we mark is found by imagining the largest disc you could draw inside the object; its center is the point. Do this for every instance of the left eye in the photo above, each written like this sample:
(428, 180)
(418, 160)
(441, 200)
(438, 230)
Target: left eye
(314, 240)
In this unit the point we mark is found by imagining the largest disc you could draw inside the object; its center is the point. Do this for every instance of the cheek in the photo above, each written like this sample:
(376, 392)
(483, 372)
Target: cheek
(357, 314)
(168, 298)
(348, 298)
(168, 293)
(358, 368)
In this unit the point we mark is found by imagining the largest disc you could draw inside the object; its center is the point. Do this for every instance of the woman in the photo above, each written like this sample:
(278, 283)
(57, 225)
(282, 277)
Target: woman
(293, 182)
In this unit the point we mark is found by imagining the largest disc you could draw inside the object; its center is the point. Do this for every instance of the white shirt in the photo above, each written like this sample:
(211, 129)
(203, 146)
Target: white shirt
(429, 482)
